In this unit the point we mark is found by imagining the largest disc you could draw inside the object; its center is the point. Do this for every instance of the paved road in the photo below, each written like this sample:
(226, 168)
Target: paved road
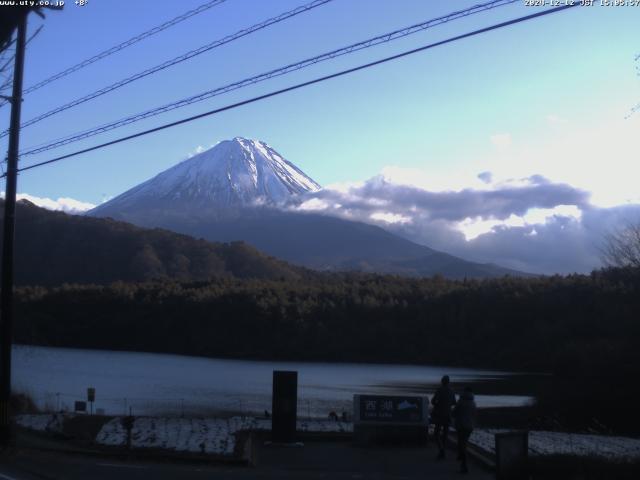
(316, 460)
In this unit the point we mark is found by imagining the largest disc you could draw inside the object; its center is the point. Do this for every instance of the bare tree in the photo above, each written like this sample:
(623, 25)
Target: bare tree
(622, 246)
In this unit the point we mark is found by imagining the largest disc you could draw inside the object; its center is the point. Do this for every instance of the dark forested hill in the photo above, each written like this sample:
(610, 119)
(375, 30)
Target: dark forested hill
(54, 248)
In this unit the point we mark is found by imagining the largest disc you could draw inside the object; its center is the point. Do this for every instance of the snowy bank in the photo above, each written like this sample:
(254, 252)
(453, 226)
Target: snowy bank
(543, 443)
(52, 423)
(217, 436)
(198, 435)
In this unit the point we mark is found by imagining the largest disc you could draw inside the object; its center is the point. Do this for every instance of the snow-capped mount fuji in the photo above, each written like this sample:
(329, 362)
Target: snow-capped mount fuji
(232, 192)
(233, 174)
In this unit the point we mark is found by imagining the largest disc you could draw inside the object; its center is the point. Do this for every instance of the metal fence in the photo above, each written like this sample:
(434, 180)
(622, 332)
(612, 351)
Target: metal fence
(210, 406)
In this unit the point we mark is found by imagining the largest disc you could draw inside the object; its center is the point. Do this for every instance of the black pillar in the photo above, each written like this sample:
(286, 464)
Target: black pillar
(284, 406)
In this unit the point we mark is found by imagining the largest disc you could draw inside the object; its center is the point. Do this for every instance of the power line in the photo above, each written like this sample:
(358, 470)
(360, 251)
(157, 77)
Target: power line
(34, 35)
(387, 37)
(8, 61)
(175, 61)
(110, 51)
(303, 84)
(7, 44)
(11, 59)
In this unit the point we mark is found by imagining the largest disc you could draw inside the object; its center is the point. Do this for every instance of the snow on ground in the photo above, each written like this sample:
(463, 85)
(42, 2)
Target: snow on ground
(558, 443)
(324, 426)
(41, 422)
(199, 435)
(112, 433)
(217, 435)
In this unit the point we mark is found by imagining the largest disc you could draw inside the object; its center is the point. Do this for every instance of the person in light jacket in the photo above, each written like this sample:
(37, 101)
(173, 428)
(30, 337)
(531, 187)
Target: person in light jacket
(465, 415)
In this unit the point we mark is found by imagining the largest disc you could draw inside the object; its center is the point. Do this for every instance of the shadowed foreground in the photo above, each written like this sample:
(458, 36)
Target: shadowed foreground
(317, 459)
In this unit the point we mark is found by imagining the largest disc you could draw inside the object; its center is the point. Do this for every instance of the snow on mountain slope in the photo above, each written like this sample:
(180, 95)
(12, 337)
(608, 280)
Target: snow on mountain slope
(234, 173)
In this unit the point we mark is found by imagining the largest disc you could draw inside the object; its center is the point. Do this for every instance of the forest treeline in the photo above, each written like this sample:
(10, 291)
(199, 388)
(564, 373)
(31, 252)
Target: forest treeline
(582, 328)
(542, 324)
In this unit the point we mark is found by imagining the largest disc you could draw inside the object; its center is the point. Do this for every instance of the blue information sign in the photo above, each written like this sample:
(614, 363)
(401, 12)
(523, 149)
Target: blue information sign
(383, 408)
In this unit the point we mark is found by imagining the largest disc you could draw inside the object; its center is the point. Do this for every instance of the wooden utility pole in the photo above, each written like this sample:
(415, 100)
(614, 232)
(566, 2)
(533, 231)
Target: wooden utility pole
(6, 295)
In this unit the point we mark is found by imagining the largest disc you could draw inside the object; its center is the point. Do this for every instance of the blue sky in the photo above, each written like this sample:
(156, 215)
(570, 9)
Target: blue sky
(547, 97)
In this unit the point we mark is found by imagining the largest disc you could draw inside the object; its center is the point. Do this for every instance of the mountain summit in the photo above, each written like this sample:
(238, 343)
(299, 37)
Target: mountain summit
(233, 191)
(233, 174)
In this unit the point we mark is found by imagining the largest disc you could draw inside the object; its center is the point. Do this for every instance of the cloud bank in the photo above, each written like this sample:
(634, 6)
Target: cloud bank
(531, 223)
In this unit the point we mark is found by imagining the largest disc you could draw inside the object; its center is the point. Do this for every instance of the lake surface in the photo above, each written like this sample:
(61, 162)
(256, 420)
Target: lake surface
(155, 384)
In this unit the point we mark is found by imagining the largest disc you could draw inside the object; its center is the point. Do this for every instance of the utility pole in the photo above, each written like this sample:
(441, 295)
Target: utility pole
(6, 295)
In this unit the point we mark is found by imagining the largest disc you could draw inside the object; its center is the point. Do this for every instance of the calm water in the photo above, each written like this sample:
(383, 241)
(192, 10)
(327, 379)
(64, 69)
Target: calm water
(149, 383)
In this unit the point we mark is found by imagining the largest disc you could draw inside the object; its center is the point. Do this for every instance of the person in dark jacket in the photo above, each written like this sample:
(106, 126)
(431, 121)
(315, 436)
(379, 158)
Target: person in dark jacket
(465, 415)
(442, 401)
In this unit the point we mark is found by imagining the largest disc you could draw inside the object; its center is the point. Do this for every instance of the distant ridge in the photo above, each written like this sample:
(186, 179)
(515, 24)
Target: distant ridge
(53, 248)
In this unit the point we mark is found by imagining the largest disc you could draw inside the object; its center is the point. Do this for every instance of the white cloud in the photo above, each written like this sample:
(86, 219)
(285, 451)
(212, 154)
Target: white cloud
(313, 204)
(542, 215)
(390, 217)
(474, 227)
(199, 149)
(64, 204)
